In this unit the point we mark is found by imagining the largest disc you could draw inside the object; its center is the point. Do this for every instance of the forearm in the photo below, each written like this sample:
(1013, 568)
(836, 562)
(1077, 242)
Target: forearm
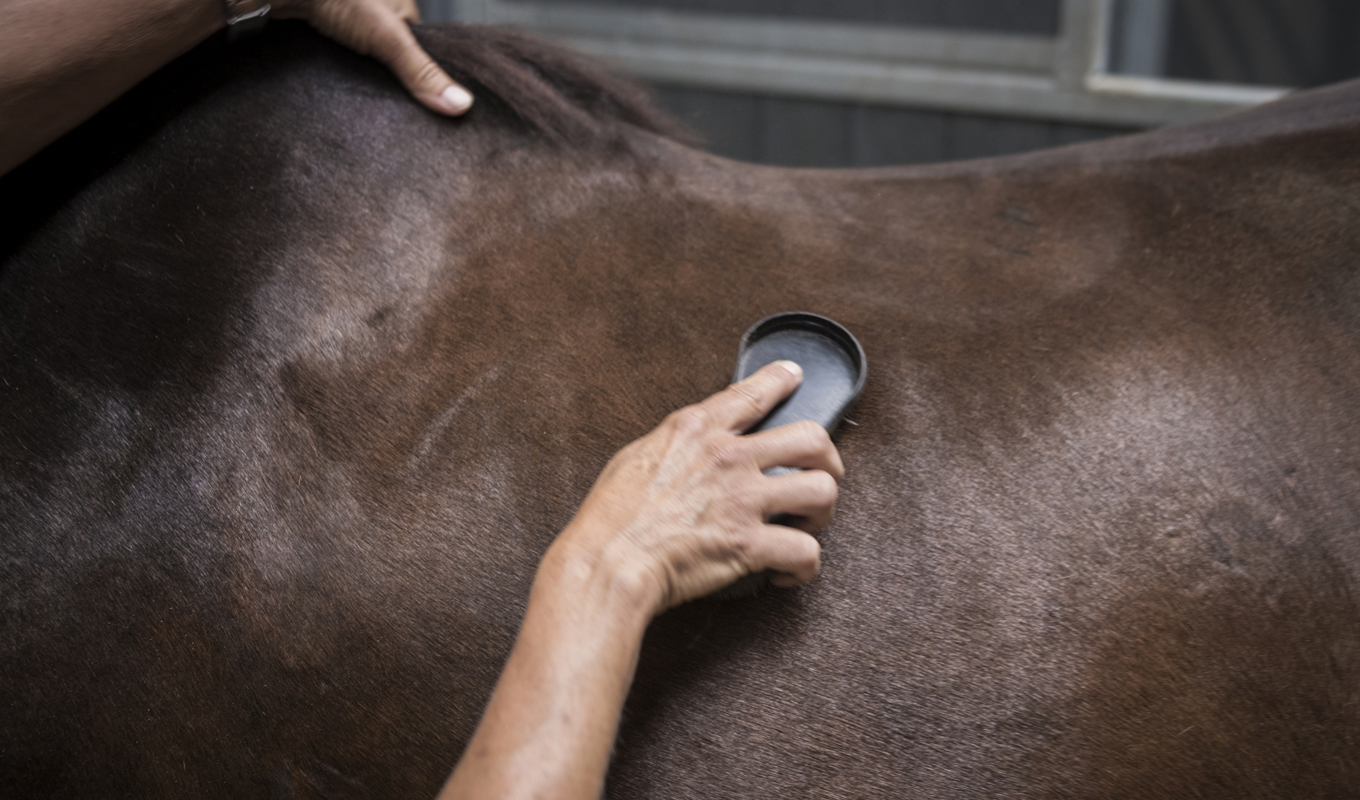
(60, 62)
(550, 725)
(675, 515)
(63, 60)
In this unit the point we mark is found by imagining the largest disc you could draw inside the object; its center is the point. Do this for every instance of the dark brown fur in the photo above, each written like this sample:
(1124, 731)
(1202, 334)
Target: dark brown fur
(299, 381)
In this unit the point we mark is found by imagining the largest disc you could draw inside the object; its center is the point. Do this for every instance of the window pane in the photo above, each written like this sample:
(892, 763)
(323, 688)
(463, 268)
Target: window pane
(1267, 42)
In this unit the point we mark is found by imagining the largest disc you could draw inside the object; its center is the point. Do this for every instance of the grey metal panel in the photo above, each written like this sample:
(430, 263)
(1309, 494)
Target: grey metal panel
(904, 95)
(1118, 100)
(1295, 42)
(1038, 17)
(932, 69)
(796, 133)
(792, 132)
(599, 26)
(728, 122)
(1068, 133)
(439, 10)
(882, 136)
(979, 137)
(1142, 29)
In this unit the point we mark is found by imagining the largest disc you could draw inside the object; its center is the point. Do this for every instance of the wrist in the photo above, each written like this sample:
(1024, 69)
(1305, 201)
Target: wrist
(604, 580)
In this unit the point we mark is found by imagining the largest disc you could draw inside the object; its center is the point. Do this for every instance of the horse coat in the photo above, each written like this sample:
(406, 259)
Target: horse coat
(298, 381)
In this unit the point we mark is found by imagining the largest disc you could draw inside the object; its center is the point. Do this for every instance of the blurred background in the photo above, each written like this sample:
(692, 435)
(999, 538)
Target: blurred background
(852, 83)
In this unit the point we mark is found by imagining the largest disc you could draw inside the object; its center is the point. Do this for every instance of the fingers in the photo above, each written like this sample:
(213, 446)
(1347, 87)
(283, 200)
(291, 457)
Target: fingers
(794, 555)
(379, 28)
(394, 45)
(688, 506)
(810, 495)
(805, 445)
(743, 404)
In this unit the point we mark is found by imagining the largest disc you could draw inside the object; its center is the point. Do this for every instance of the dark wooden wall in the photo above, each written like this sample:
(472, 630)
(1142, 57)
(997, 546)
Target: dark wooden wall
(1276, 42)
(1038, 17)
(813, 133)
(1273, 42)
(817, 133)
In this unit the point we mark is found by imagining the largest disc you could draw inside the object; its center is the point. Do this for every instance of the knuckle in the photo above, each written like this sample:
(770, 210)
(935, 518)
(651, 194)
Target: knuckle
(814, 436)
(737, 512)
(690, 420)
(427, 73)
(740, 547)
(749, 392)
(727, 453)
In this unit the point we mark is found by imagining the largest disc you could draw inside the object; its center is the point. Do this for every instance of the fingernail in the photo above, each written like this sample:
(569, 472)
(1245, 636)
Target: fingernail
(792, 367)
(456, 98)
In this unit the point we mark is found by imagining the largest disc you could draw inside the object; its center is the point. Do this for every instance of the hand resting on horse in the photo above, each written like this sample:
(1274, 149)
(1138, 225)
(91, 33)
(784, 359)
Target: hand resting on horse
(675, 515)
(63, 60)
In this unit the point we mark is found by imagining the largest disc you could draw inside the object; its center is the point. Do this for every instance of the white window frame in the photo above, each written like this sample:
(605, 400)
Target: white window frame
(1066, 77)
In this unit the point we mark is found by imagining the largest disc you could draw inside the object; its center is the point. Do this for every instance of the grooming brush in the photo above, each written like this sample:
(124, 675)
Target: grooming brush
(833, 375)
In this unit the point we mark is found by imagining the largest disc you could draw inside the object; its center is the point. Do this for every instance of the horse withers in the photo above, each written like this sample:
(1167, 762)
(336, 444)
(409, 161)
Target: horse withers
(299, 381)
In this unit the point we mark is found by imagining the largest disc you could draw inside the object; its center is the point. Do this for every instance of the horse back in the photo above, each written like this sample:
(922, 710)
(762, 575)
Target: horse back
(300, 381)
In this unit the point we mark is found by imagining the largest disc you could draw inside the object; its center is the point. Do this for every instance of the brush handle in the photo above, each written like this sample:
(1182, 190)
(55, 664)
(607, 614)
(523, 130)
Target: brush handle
(833, 374)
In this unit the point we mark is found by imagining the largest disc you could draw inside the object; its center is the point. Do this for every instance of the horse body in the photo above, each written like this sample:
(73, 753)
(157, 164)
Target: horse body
(299, 389)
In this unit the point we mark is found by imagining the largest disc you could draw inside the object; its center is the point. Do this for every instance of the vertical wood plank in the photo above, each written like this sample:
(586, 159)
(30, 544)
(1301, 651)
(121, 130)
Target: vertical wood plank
(1071, 133)
(1037, 17)
(882, 136)
(979, 137)
(804, 133)
(727, 121)
(815, 133)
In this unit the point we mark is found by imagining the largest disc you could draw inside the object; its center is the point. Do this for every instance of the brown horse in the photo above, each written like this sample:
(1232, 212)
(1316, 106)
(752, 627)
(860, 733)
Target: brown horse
(299, 382)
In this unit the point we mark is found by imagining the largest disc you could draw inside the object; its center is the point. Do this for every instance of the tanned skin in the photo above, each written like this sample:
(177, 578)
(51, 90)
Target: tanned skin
(674, 516)
(60, 62)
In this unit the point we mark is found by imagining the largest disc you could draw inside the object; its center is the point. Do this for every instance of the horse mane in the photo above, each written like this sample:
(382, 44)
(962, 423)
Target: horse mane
(545, 88)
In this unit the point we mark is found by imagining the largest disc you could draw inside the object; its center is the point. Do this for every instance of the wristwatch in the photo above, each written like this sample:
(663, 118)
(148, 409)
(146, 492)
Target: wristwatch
(245, 16)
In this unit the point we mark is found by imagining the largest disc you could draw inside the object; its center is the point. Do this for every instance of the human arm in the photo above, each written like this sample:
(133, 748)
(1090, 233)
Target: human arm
(63, 60)
(674, 516)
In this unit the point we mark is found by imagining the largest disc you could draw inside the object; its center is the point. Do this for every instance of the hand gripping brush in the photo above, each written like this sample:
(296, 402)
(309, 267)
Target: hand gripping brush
(833, 375)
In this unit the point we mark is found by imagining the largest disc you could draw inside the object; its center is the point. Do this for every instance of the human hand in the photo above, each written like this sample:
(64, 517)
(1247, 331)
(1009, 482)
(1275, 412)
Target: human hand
(684, 510)
(378, 28)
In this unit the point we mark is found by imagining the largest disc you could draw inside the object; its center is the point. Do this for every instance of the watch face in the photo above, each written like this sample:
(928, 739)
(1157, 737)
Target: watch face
(239, 10)
(245, 16)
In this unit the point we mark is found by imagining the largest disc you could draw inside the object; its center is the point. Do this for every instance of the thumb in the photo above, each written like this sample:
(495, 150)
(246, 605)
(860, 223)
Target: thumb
(395, 45)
